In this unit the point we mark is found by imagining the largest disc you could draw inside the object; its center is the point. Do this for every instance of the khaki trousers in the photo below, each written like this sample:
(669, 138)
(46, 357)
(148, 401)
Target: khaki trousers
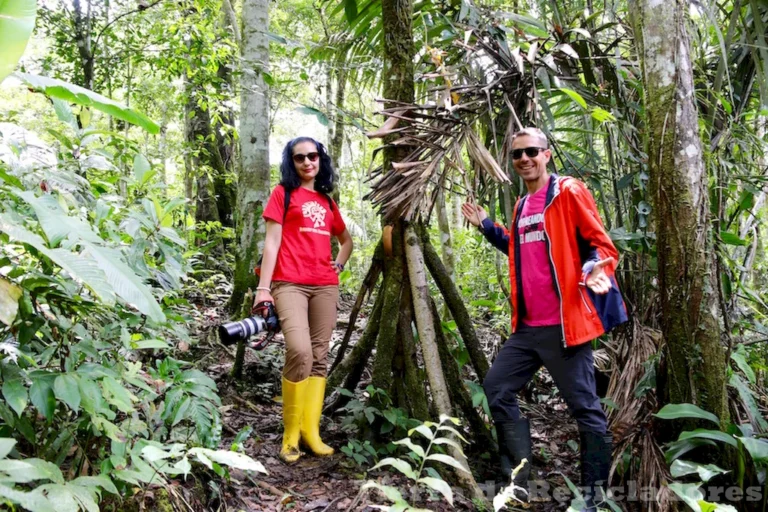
(307, 318)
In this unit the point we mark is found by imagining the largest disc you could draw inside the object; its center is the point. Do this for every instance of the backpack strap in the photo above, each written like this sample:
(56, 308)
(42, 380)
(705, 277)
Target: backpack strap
(286, 203)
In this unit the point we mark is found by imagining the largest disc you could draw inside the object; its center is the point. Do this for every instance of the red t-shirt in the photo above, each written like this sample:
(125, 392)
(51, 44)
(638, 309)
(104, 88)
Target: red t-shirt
(305, 251)
(542, 305)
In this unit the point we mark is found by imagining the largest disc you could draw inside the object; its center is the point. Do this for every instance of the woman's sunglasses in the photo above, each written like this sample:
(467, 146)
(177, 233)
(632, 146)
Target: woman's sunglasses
(531, 152)
(299, 158)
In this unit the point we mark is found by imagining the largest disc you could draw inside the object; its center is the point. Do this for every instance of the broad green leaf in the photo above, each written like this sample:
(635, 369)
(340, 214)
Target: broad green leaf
(34, 500)
(111, 430)
(67, 390)
(740, 358)
(153, 453)
(149, 344)
(749, 400)
(6, 445)
(438, 485)
(689, 493)
(321, 117)
(423, 430)
(15, 394)
(183, 466)
(17, 21)
(757, 448)
(126, 283)
(141, 167)
(350, 10)
(715, 435)
(76, 94)
(706, 472)
(79, 266)
(41, 396)
(231, 459)
(731, 239)
(677, 411)
(601, 115)
(21, 471)
(448, 428)
(116, 394)
(399, 464)
(447, 459)
(391, 493)
(716, 507)
(575, 97)
(450, 442)
(418, 450)
(9, 301)
(102, 481)
(49, 470)
(55, 222)
(568, 50)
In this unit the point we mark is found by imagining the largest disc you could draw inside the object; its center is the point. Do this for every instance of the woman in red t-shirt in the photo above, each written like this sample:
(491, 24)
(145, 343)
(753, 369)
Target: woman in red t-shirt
(301, 278)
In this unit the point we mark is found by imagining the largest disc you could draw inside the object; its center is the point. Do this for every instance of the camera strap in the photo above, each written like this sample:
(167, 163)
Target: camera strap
(262, 343)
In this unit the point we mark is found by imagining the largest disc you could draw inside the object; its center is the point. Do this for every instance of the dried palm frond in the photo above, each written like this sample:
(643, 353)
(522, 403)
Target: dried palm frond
(631, 421)
(495, 88)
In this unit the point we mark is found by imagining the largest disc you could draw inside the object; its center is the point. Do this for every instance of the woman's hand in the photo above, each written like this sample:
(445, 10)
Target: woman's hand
(262, 296)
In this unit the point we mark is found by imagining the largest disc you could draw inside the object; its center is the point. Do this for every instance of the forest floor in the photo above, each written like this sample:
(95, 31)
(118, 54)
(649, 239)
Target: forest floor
(331, 484)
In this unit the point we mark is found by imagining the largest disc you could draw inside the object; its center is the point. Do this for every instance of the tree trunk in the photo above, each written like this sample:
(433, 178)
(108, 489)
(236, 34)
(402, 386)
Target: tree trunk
(83, 43)
(253, 179)
(446, 244)
(694, 357)
(430, 351)
(458, 311)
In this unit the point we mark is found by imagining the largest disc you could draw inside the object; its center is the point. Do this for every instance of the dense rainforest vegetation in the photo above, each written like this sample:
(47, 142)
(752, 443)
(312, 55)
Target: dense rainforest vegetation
(139, 143)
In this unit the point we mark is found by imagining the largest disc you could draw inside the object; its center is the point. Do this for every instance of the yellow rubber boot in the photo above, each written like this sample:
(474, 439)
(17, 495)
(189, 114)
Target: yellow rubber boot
(294, 397)
(310, 424)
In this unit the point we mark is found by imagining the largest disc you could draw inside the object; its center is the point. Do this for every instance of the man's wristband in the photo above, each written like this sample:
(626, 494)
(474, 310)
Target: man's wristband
(340, 265)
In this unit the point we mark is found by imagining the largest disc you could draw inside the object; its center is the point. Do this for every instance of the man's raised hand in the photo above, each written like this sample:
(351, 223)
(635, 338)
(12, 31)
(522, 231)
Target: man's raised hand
(597, 280)
(473, 213)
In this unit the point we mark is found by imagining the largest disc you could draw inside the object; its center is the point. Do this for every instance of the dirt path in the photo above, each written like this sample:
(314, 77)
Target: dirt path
(331, 484)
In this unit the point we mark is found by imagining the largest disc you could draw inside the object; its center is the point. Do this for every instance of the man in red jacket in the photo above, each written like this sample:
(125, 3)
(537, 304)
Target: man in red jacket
(563, 295)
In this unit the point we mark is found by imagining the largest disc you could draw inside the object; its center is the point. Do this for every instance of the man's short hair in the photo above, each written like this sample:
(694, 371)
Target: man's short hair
(532, 132)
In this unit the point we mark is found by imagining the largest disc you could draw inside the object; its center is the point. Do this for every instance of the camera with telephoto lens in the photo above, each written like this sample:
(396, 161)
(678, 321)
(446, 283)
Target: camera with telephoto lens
(232, 332)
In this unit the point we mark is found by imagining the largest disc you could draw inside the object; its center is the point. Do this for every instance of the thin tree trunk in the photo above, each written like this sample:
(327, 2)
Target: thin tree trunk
(430, 351)
(414, 377)
(369, 283)
(253, 180)
(446, 243)
(391, 289)
(351, 368)
(458, 310)
(694, 357)
(83, 43)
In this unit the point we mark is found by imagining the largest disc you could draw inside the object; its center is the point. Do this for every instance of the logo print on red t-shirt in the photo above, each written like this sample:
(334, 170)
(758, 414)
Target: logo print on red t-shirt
(315, 212)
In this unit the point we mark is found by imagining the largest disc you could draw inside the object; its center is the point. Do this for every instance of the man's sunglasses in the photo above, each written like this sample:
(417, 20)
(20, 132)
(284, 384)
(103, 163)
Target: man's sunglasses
(299, 158)
(531, 152)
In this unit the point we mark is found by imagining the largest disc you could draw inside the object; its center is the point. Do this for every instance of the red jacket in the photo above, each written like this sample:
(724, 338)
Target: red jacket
(576, 239)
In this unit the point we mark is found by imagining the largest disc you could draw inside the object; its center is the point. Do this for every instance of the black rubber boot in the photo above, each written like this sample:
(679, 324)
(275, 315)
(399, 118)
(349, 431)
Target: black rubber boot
(514, 446)
(596, 456)
(504, 460)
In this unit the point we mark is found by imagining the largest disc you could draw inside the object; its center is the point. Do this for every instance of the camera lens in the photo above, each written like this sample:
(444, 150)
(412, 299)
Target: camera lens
(235, 331)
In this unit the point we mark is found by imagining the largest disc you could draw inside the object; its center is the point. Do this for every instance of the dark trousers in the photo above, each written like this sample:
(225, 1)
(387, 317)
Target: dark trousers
(571, 368)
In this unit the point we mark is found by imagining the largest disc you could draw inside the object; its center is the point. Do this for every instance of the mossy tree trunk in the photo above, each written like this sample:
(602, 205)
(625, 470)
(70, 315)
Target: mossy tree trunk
(399, 305)
(253, 177)
(694, 357)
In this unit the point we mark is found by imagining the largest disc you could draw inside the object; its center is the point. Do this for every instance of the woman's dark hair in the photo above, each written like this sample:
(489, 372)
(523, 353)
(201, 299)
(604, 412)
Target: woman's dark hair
(290, 178)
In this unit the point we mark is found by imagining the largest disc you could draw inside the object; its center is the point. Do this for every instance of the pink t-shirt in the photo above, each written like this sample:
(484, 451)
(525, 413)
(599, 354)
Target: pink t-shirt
(542, 305)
